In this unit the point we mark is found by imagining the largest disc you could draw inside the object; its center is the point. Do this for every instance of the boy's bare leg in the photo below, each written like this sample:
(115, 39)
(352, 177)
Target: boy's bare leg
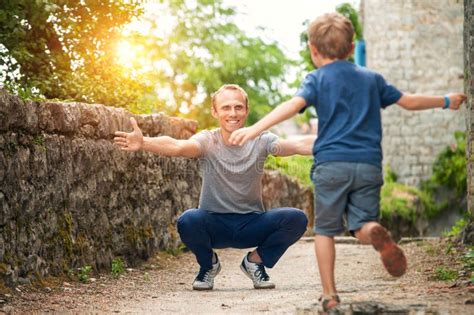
(326, 256)
(392, 255)
(363, 235)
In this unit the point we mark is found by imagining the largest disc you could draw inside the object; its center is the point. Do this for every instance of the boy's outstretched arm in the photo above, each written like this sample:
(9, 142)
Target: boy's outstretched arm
(282, 112)
(420, 102)
(302, 146)
(164, 145)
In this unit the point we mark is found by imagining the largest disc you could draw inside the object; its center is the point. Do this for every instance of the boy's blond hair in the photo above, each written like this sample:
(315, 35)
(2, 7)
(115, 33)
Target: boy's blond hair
(232, 87)
(332, 35)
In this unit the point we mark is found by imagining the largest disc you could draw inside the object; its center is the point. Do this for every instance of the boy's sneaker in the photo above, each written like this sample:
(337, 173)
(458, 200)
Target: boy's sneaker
(256, 273)
(392, 255)
(205, 278)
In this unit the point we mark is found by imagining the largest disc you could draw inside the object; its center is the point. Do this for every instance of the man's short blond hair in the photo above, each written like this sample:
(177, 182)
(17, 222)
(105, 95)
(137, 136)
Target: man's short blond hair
(332, 35)
(232, 87)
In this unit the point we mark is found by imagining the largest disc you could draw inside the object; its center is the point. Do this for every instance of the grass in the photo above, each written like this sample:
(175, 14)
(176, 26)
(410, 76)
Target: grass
(118, 266)
(449, 260)
(445, 274)
(296, 166)
(175, 251)
(431, 249)
(83, 274)
(456, 229)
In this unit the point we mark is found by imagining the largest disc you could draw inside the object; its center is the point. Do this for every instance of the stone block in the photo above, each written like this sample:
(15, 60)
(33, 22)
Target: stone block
(17, 114)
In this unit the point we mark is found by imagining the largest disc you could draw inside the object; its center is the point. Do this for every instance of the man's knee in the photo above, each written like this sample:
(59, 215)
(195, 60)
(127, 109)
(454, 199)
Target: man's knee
(294, 219)
(190, 219)
(300, 220)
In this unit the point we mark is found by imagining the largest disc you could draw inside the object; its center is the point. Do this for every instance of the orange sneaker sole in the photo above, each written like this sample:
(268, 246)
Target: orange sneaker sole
(392, 255)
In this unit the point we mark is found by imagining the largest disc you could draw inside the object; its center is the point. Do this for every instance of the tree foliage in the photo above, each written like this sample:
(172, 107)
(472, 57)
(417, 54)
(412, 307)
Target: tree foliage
(349, 12)
(204, 50)
(68, 49)
(65, 47)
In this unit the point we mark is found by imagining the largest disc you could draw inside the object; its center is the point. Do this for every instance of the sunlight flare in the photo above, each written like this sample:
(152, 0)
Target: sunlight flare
(128, 54)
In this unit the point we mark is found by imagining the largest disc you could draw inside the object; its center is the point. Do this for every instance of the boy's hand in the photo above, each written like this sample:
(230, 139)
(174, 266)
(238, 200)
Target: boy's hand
(242, 135)
(130, 141)
(455, 100)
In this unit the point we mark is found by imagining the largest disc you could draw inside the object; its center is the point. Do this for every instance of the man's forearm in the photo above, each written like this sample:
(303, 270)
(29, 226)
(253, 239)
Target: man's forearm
(306, 145)
(163, 145)
(302, 146)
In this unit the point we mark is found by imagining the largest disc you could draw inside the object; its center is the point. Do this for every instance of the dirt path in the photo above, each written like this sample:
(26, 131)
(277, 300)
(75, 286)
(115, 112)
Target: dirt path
(163, 285)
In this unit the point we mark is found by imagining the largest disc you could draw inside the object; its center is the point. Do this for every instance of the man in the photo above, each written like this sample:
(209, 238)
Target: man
(230, 212)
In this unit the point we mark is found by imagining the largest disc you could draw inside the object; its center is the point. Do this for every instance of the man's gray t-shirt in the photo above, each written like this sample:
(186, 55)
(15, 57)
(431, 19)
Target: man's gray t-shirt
(232, 175)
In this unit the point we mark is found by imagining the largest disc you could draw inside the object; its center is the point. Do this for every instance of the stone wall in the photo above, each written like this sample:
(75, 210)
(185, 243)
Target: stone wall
(70, 198)
(282, 191)
(418, 46)
(469, 85)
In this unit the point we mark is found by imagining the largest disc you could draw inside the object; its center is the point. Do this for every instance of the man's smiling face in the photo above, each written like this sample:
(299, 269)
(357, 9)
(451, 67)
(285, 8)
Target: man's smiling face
(230, 109)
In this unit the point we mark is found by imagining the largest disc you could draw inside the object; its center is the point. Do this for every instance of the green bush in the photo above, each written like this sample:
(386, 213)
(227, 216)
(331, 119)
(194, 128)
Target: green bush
(83, 274)
(118, 266)
(405, 201)
(449, 169)
(456, 229)
(296, 166)
(390, 176)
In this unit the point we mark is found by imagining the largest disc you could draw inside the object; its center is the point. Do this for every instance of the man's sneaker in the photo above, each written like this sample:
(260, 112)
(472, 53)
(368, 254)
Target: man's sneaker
(392, 255)
(256, 273)
(205, 278)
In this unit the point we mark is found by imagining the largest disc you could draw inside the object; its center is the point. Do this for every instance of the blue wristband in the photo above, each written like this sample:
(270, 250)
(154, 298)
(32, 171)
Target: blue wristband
(447, 102)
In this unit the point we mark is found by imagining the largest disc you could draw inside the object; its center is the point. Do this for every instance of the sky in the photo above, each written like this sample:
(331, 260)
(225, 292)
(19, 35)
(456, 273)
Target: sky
(282, 19)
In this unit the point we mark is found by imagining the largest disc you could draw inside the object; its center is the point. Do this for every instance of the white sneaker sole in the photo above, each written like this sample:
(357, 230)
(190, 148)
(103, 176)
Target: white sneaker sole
(208, 288)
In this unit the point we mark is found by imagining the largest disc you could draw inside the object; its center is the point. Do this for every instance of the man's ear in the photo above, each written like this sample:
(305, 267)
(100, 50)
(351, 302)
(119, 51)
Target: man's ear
(213, 111)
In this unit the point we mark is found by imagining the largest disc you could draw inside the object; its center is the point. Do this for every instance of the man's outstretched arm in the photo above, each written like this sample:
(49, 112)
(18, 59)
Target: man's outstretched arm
(282, 112)
(302, 146)
(164, 145)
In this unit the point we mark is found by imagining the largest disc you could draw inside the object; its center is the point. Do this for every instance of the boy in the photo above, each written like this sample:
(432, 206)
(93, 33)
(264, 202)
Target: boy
(347, 170)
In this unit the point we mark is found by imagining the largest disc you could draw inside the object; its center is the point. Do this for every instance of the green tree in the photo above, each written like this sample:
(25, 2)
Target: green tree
(65, 47)
(181, 53)
(204, 49)
(349, 12)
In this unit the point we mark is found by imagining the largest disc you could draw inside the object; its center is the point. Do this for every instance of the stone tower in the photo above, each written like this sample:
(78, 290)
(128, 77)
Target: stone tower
(417, 45)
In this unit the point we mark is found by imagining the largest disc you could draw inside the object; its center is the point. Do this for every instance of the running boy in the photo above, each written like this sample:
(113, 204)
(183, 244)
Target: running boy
(347, 170)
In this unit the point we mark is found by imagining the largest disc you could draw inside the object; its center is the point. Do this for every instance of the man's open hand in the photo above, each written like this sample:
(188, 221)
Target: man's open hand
(129, 141)
(242, 135)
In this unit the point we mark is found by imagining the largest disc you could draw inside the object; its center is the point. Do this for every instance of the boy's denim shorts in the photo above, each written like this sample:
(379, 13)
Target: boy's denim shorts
(346, 191)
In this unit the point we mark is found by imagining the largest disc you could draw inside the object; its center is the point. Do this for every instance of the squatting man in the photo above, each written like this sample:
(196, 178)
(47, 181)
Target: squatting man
(230, 211)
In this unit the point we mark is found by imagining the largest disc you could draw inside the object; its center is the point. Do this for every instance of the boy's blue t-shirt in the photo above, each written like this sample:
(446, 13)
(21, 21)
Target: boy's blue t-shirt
(348, 99)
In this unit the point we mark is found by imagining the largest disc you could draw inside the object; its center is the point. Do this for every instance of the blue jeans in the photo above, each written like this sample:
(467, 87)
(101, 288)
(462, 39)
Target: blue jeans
(272, 232)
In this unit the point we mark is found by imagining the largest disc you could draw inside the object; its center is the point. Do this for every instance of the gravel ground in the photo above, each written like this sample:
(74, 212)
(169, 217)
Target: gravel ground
(163, 285)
